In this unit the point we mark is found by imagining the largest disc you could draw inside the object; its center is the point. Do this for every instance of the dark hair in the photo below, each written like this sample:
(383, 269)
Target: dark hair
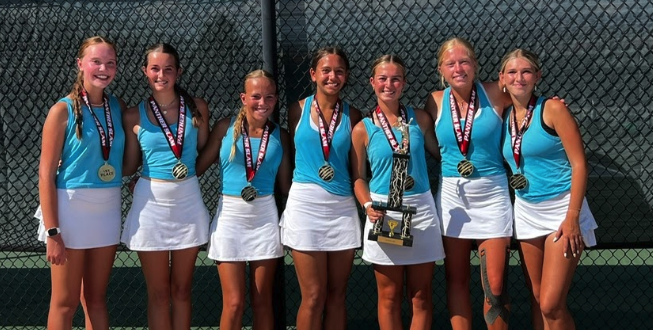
(325, 51)
(169, 49)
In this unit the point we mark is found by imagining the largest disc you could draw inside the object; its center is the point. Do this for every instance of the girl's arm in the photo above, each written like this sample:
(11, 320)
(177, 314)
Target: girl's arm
(558, 117)
(211, 151)
(54, 132)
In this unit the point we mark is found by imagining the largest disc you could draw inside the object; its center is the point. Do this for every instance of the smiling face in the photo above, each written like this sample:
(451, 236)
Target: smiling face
(457, 67)
(161, 71)
(259, 98)
(98, 65)
(520, 72)
(330, 74)
(388, 81)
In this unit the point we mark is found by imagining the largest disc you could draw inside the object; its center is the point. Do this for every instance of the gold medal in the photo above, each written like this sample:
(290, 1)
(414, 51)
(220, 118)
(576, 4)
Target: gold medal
(248, 193)
(410, 183)
(465, 168)
(518, 181)
(326, 172)
(180, 171)
(106, 172)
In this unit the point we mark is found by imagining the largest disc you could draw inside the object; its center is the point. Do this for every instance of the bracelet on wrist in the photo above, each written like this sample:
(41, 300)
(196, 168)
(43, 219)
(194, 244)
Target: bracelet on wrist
(366, 205)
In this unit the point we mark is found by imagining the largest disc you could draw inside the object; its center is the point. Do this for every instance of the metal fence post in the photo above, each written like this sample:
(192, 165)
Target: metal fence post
(269, 40)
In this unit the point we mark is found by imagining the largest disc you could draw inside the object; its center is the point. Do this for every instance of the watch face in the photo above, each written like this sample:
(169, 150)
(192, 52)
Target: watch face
(53, 231)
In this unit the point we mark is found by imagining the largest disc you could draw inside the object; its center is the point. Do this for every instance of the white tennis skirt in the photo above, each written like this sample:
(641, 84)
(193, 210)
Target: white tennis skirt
(477, 208)
(245, 231)
(544, 218)
(316, 220)
(427, 238)
(166, 215)
(88, 217)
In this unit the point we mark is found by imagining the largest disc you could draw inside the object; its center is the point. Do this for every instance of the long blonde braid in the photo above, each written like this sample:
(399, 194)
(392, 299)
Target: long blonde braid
(78, 85)
(241, 114)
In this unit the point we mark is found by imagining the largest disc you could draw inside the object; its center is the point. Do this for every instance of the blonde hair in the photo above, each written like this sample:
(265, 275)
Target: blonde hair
(389, 58)
(451, 43)
(527, 55)
(78, 85)
(241, 114)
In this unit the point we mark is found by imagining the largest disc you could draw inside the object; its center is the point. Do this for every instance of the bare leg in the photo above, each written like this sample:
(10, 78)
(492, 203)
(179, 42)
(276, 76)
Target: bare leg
(532, 256)
(494, 251)
(97, 270)
(66, 282)
(232, 280)
(389, 284)
(557, 274)
(156, 269)
(418, 281)
(181, 282)
(339, 267)
(311, 268)
(262, 281)
(457, 270)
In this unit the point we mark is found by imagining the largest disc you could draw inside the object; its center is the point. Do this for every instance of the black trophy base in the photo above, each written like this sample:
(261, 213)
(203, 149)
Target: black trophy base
(383, 206)
(396, 239)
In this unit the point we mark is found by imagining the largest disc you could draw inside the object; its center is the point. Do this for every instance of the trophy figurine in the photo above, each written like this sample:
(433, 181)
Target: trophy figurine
(399, 181)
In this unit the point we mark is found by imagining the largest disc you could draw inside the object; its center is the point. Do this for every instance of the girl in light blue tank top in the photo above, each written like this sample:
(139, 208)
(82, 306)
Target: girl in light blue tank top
(309, 156)
(234, 177)
(253, 154)
(376, 141)
(320, 223)
(553, 222)
(80, 174)
(167, 221)
(472, 206)
(543, 157)
(484, 149)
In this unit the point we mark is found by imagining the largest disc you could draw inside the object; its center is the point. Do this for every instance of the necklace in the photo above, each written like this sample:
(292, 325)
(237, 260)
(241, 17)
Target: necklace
(164, 106)
(97, 105)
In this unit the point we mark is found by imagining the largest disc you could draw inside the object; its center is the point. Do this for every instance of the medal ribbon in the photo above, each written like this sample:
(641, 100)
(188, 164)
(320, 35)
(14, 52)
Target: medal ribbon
(326, 137)
(250, 170)
(106, 145)
(177, 146)
(463, 138)
(386, 126)
(518, 135)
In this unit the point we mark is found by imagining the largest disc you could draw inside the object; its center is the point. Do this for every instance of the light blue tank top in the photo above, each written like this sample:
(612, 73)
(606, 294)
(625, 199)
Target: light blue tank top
(158, 159)
(380, 153)
(309, 157)
(234, 172)
(485, 145)
(543, 161)
(81, 159)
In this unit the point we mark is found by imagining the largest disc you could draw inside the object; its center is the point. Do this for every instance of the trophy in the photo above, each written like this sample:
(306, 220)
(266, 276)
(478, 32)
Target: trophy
(399, 181)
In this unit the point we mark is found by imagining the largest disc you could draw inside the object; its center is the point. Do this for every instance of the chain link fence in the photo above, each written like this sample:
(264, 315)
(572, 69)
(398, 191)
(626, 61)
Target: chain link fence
(595, 54)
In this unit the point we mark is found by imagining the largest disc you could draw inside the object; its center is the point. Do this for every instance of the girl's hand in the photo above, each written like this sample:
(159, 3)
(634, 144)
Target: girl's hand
(56, 250)
(374, 215)
(570, 235)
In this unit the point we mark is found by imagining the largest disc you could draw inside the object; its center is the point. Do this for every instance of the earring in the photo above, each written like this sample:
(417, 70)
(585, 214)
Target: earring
(536, 88)
(504, 89)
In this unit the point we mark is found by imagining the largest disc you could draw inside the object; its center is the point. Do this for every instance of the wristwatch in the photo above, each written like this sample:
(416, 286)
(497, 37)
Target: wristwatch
(54, 231)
